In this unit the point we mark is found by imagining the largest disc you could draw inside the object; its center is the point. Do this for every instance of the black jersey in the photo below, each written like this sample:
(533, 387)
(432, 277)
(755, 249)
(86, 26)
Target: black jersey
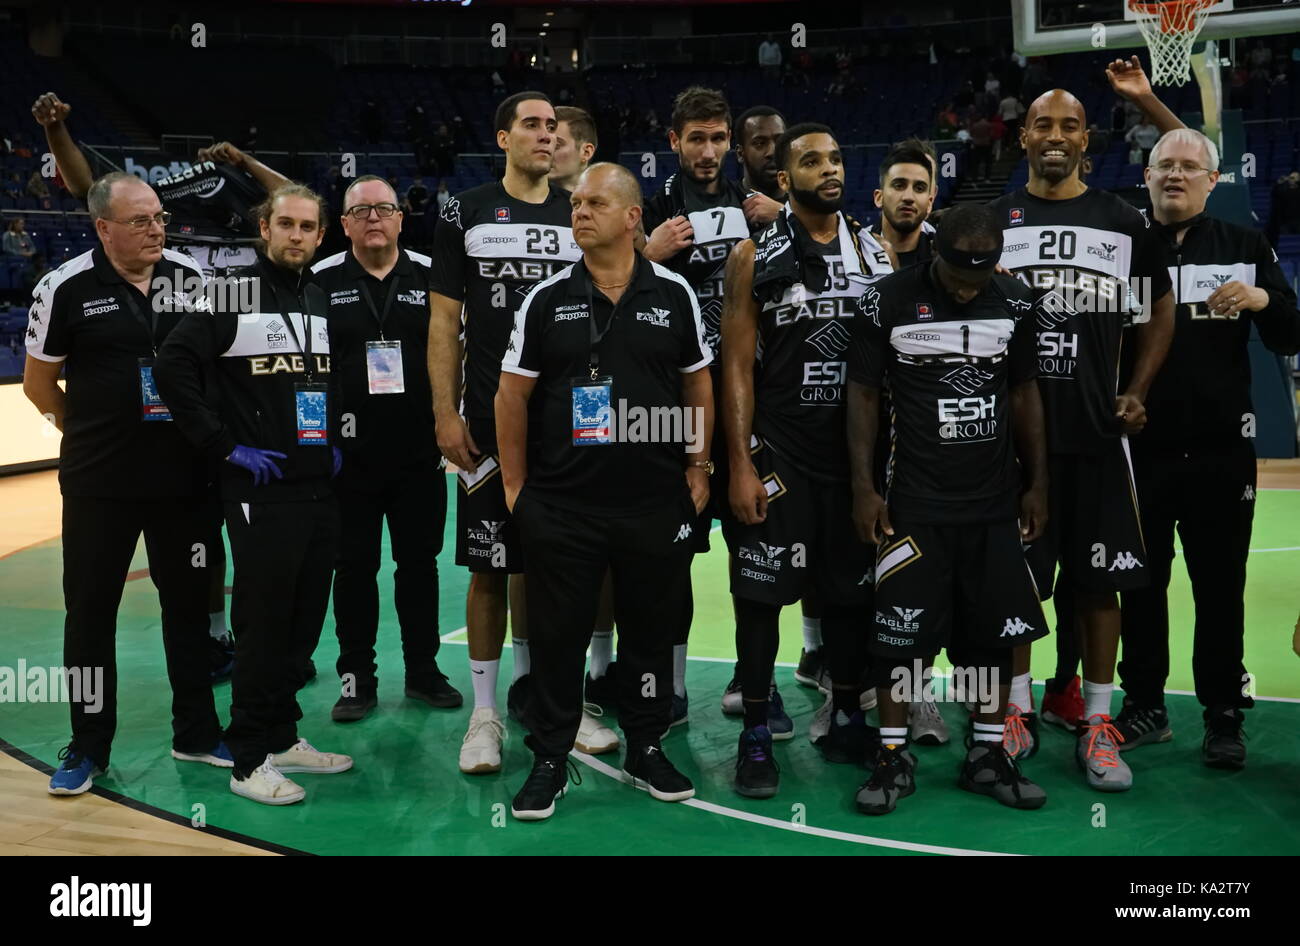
(718, 223)
(489, 250)
(802, 338)
(950, 368)
(1103, 262)
(924, 251)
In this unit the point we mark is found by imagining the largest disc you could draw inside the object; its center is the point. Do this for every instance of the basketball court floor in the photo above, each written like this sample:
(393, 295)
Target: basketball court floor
(406, 796)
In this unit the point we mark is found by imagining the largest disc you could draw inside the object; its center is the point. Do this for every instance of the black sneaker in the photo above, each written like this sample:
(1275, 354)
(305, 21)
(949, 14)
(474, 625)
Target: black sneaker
(892, 777)
(349, 709)
(603, 690)
(757, 774)
(650, 771)
(733, 701)
(989, 770)
(546, 782)
(1225, 739)
(222, 658)
(436, 691)
(846, 743)
(681, 710)
(517, 698)
(1140, 726)
(811, 667)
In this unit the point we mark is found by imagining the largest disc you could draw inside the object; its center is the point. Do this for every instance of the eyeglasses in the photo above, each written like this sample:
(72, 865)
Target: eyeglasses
(141, 223)
(1187, 170)
(362, 211)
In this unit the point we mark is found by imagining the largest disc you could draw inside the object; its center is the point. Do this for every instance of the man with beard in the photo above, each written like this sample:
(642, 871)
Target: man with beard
(1102, 264)
(792, 290)
(757, 131)
(276, 424)
(905, 198)
(692, 225)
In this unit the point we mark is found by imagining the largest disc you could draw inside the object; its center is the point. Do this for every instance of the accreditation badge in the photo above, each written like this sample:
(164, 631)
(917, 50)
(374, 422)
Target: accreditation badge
(384, 367)
(592, 413)
(151, 402)
(311, 408)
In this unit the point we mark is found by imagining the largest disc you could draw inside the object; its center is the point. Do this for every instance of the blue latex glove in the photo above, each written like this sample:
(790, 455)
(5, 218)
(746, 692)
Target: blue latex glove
(258, 462)
(338, 460)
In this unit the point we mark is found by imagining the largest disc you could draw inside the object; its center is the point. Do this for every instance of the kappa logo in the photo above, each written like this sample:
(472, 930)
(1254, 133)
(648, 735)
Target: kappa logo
(831, 340)
(99, 306)
(1015, 627)
(414, 297)
(683, 533)
(968, 379)
(1249, 494)
(1124, 561)
(1019, 305)
(870, 304)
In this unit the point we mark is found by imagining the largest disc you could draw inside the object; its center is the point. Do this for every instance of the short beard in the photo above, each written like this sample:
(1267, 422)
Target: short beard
(1050, 173)
(905, 227)
(695, 178)
(286, 264)
(816, 202)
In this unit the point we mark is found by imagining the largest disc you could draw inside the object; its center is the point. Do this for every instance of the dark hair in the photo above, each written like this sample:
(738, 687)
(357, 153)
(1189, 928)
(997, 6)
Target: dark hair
(905, 152)
(508, 110)
(978, 226)
(755, 111)
(698, 104)
(793, 134)
(580, 122)
(362, 180)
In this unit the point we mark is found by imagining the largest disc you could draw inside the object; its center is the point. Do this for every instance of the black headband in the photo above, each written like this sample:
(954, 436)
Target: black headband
(966, 259)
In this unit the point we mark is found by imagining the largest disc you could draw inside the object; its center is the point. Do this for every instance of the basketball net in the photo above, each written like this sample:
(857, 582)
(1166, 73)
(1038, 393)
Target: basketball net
(1170, 27)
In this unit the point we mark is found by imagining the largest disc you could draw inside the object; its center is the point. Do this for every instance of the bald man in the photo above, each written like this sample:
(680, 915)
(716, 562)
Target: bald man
(1101, 269)
(601, 353)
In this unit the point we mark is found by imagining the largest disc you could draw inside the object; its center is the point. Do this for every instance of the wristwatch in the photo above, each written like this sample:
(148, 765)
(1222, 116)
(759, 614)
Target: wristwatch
(706, 465)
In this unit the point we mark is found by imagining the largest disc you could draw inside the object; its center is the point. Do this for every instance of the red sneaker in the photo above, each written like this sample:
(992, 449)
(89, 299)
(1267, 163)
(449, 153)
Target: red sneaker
(1064, 709)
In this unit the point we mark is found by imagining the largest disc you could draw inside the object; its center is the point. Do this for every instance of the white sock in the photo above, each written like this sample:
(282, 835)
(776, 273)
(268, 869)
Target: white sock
(812, 633)
(217, 625)
(602, 652)
(893, 737)
(1020, 694)
(989, 732)
(484, 674)
(521, 662)
(1096, 699)
(679, 669)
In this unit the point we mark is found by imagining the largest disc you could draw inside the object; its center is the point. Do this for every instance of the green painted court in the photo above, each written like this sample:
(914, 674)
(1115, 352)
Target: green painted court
(406, 796)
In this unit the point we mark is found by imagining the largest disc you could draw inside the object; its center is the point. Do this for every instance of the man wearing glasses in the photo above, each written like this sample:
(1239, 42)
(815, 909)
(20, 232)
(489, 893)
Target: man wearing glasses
(1195, 461)
(378, 311)
(124, 468)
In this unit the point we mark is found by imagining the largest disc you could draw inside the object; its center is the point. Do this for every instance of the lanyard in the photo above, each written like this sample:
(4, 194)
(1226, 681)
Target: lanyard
(597, 334)
(134, 305)
(380, 317)
(308, 368)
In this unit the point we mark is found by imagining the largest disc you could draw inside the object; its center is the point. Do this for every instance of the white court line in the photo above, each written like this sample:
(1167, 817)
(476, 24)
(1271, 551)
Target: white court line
(739, 815)
(449, 639)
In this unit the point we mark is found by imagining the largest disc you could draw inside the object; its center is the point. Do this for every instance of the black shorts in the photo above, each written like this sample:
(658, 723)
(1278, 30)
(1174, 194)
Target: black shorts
(487, 539)
(806, 544)
(956, 587)
(1094, 532)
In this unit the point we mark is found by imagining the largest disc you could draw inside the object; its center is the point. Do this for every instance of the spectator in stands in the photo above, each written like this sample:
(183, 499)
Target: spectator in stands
(417, 197)
(998, 133)
(652, 126)
(17, 241)
(333, 188)
(372, 123)
(1261, 57)
(14, 186)
(1144, 136)
(442, 196)
(35, 271)
(36, 186)
(946, 123)
(444, 152)
(769, 57)
(993, 86)
(498, 84)
(417, 123)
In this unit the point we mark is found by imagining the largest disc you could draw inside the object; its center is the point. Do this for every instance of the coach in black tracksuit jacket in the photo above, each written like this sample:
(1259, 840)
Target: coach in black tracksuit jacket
(272, 368)
(1195, 460)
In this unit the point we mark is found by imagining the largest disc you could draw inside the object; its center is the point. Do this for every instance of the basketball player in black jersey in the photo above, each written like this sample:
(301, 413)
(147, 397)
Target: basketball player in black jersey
(905, 198)
(492, 244)
(1100, 258)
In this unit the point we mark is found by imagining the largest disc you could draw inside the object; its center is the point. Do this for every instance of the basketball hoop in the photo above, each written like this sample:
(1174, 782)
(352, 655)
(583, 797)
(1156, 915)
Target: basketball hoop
(1170, 27)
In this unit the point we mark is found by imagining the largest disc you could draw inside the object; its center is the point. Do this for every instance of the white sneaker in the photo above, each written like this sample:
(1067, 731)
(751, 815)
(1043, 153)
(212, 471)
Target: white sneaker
(594, 737)
(480, 750)
(867, 700)
(302, 756)
(925, 724)
(820, 724)
(268, 785)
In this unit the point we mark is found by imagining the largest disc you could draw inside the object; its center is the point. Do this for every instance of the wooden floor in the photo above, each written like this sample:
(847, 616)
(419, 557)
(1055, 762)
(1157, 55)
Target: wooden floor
(34, 823)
